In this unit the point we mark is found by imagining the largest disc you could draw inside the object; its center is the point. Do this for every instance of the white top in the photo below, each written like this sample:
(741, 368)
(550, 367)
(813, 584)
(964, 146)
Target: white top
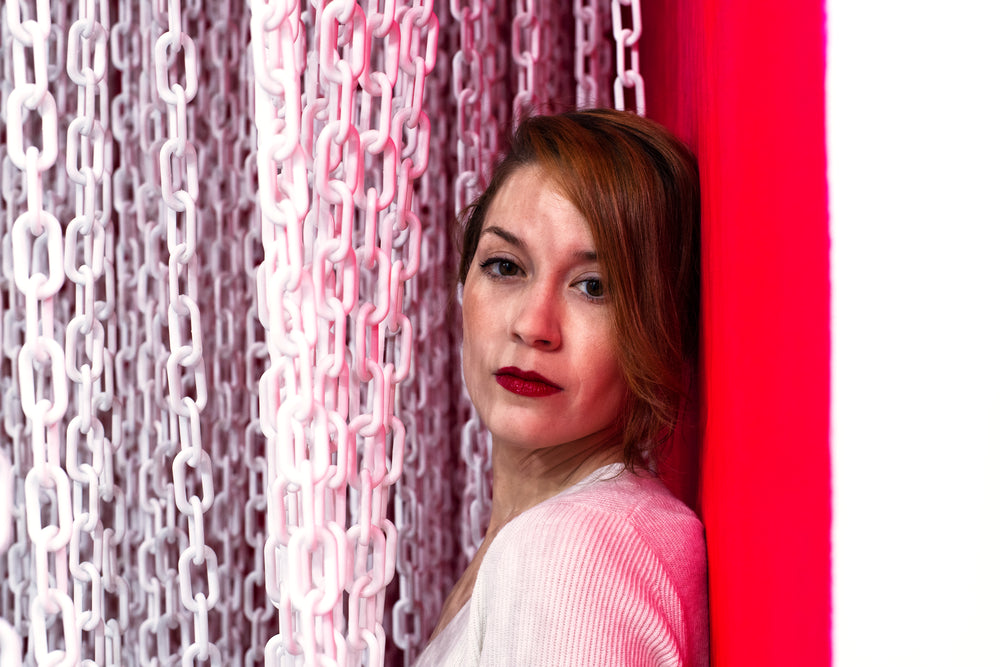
(610, 571)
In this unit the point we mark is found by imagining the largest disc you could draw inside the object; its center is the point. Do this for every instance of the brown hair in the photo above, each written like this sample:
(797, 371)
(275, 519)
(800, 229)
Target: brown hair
(637, 187)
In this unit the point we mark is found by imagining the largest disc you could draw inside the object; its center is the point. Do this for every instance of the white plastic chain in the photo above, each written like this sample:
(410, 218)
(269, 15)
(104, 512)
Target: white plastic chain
(342, 137)
(526, 42)
(590, 62)
(424, 506)
(100, 361)
(156, 627)
(478, 84)
(88, 363)
(627, 29)
(476, 72)
(176, 72)
(124, 595)
(43, 505)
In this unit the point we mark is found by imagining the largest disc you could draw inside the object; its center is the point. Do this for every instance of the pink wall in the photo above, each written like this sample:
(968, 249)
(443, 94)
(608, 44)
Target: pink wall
(743, 82)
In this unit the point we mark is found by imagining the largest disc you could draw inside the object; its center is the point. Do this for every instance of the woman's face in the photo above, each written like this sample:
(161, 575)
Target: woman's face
(538, 354)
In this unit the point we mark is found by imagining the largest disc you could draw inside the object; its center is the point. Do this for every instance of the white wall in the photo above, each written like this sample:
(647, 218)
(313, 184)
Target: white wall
(913, 101)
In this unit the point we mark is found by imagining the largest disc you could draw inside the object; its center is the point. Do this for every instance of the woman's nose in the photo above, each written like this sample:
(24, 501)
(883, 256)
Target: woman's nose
(536, 319)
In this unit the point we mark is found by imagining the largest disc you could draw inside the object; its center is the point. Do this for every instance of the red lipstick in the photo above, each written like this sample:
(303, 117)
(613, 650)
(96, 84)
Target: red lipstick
(525, 383)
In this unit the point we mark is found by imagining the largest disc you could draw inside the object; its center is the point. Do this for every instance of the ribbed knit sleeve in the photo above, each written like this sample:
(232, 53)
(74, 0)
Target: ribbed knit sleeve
(605, 576)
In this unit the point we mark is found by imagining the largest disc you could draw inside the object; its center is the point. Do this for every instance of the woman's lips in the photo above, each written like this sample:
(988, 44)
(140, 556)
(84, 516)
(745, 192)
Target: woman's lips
(525, 383)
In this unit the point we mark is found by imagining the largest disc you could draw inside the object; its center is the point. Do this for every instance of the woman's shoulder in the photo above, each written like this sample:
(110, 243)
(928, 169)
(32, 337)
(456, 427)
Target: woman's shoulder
(616, 490)
(612, 515)
(610, 572)
(637, 503)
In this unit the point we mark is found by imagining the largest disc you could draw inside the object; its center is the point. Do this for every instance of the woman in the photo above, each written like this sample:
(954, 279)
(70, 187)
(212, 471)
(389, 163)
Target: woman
(579, 266)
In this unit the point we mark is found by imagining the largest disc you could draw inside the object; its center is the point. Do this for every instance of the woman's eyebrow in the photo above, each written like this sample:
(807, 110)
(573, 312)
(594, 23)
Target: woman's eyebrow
(505, 235)
(514, 240)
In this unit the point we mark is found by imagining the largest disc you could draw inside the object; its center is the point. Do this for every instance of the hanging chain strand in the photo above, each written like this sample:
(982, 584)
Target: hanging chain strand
(525, 53)
(175, 58)
(423, 502)
(586, 65)
(37, 255)
(627, 34)
(14, 566)
(257, 607)
(129, 529)
(283, 200)
(471, 65)
(87, 265)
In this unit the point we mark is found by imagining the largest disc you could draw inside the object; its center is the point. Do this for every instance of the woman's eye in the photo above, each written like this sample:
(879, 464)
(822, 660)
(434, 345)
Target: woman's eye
(500, 267)
(505, 268)
(592, 287)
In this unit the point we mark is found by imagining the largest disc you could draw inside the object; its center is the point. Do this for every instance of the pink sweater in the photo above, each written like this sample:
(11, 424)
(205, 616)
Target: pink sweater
(608, 572)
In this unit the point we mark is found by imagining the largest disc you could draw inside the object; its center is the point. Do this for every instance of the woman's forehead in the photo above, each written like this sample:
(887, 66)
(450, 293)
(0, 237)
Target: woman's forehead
(528, 213)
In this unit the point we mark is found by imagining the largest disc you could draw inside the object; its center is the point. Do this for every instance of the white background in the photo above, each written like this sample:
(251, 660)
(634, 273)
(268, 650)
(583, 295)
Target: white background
(913, 113)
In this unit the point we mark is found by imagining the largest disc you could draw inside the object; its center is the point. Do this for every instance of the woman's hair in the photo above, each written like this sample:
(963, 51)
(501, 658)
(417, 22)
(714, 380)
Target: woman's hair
(637, 188)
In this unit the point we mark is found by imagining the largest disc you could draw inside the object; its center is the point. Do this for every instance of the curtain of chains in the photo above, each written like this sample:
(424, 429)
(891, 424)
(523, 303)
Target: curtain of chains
(342, 137)
(233, 429)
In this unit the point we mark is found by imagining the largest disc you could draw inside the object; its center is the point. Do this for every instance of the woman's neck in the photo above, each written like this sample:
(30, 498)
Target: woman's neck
(522, 478)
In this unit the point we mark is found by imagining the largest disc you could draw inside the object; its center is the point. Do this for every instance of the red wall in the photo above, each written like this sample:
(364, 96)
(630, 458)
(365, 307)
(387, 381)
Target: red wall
(742, 81)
